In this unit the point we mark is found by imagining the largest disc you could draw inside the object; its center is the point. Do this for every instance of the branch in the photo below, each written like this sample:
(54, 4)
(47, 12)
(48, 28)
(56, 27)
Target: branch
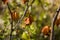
(9, 8)
(11, 22)
(32, 2)
(19, 21)
(52, 25)
(41, 4)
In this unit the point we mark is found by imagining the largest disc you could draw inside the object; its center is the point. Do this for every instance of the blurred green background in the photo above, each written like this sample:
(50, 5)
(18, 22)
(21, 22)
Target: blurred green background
(42, 12)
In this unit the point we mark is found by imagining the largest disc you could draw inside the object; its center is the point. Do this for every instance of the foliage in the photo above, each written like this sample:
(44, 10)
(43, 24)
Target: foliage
(39, 14)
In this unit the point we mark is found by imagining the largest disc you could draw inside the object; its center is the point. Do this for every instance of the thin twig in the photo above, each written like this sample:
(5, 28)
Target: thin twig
(11, 29)
(19, 21)
(41, 4)
(11, 22)
(9, 9)
(52, 25)
(32, 2)
(23, 17)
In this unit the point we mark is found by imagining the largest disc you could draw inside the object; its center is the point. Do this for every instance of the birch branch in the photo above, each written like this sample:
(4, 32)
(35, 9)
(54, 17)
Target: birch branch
(52, 25)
